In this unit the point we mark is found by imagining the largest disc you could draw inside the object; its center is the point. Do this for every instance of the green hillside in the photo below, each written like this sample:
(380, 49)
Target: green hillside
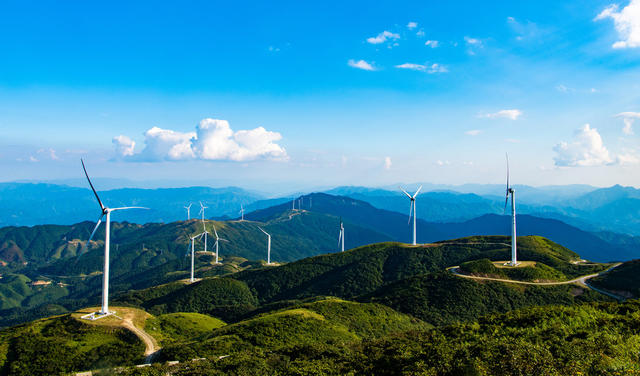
(589, 339)
(63, 344)
(623, 280)
(178, 327)
(442, 298)
(331, 322)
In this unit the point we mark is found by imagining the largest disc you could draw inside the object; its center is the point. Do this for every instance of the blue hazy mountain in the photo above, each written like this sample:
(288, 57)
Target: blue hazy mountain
(27, 204)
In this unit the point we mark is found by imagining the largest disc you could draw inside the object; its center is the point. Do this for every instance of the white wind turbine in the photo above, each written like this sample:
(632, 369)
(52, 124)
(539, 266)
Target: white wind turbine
(188, 211)
(412, 208)
(514, 255)
(341, 236)
(268, 246)
(217, 241)
(193, 254)
(241, 212)
(204, 229)
(105, 211)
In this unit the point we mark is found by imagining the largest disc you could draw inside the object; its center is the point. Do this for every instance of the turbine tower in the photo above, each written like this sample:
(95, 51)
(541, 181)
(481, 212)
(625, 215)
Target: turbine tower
(204, 229)
(412, 208)
(268, 246)
(341, 236)
(241, 213)
(105, 211)
(217, 241)
(510, 190)
(188, 211)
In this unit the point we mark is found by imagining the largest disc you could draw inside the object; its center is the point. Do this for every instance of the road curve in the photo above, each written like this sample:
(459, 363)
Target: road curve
(580, 280)
(150, 343)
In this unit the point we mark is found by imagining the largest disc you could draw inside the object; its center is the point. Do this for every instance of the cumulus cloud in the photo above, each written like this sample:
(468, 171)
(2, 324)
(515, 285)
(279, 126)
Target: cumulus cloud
(412, 25)
(387, 163)
(361, 64)
(473, 132)
(512, 114)
(586, 149)
(383, 37)
(213, 140)
(626, 22)
(124, 146)
(432, 68)
(628, 118)
(432, 43)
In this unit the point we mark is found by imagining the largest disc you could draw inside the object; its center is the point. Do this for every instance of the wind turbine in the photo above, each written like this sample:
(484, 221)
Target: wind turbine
(105, 211)
(204, 229)
(341, 236)
(412, 208)
(193, 254)
(293, 204)
(188, 211)
(241, 213)
(510, 190)
(217, 241)
(268, 246)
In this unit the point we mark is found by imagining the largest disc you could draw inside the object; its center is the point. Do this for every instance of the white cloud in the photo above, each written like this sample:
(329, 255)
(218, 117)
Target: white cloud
(628, 118)
(586, 149)
(51, 153)
(563, 89)
(473, 41)
(361, 64)
(442, 163)
(432, 43)
(473, 132)
(420, 33)
(387, 163)
(626, 22)
(433, 68)
(382, 37)
(124, 146)
(513, 114)
(33, 159)
(273, 49)
(412, 25)
(213, 140)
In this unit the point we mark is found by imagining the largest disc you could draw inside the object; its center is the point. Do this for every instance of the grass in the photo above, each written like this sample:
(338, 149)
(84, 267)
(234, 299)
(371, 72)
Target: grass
(181, 326)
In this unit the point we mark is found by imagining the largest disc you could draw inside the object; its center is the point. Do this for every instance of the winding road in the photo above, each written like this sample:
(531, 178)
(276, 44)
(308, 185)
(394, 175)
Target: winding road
(580, 280)
(150, 343)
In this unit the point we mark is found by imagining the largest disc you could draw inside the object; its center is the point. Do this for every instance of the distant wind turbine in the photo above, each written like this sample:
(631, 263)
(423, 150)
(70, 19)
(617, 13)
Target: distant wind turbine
(241, 212)
(188, 211)
(412, 208)
(105, 211)
(268, 245)
(510, 190)
(217, 241)
(204, 229)
(341, 236)
(193, 254)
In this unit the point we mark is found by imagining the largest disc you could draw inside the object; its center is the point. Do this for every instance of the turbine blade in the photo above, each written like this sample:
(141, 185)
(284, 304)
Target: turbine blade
(266, 233)
(214, 230)
(93, 189)
(410, 211)
(129, 207)
(86, 245)
(405, 192)
(224, 240)
(418, 191)
(507, 171)
(339, 238)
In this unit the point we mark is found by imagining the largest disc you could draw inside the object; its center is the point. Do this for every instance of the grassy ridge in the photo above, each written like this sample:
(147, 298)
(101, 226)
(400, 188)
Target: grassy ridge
(178, 327)
(63, 344)
(331, 321)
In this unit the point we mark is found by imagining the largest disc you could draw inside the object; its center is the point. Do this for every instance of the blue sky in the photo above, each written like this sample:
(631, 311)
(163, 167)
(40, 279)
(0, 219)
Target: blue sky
(318, 94)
